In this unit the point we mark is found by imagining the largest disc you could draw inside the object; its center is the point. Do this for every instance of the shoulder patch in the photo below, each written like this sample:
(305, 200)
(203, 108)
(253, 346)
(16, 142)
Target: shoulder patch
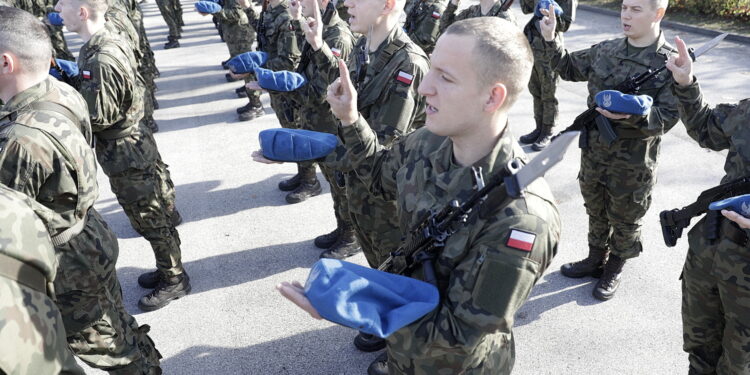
(436, 15)
(404, 77)
(521, 240)
(336, 52)
(86, 74)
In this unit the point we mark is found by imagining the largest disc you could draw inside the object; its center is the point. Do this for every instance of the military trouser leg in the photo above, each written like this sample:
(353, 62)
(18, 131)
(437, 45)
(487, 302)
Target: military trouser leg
(338, 194)
(165, 8)
(616, 200)
(177, 8)
(166, 185)
(715, 305)
(542, 86)
(99, 330)
(286, 112)
(141, 196)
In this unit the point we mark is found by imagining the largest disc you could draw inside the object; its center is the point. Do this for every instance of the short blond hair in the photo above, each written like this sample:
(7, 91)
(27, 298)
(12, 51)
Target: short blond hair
(97, 7)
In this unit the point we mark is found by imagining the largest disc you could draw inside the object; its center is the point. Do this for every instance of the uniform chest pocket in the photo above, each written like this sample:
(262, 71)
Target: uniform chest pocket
(415, 197)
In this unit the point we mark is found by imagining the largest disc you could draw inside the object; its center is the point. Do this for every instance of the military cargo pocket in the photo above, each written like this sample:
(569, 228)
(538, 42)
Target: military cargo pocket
(79, 310)
(504, 283)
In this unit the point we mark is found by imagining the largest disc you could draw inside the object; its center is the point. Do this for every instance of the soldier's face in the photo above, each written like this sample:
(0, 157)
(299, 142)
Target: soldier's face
(70, 11)
(638, 17)
(364, 13)
(452, 88)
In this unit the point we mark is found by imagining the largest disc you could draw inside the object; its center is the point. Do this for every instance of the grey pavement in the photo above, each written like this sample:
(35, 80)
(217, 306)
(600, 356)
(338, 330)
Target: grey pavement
(240, 238)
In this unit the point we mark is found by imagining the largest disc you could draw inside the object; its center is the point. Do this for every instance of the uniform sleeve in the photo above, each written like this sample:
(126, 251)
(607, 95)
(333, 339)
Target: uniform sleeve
(104, 92)
(448, 16)
(703, 123)
(326, 63)
(528, 6)
(19, 170)
(402, 104)
(286, 44)
(575, 66)
(232, 13)
(428, 30)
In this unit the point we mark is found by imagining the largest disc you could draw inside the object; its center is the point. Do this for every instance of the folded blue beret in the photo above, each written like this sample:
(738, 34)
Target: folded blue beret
(544, 4)
(247, 62)
(55, 19)
(279, 81)
(208, 7)
(296, 144)
(615, 101)
(366, 299)
(739, 204)
(70, 68)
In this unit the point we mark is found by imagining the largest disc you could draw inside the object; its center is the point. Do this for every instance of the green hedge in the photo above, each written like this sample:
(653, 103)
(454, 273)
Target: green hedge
(736, 9)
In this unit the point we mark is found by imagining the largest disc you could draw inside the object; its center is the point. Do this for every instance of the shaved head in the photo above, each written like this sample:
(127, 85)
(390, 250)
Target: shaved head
(25, 37)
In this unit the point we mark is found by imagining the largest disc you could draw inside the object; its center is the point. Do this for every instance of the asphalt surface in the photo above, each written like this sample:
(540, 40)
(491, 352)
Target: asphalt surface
(240, 238)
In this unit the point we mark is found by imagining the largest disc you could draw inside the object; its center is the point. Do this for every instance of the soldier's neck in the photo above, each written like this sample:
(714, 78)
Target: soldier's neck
(17, 85)
(91, 28)
(472, 146)
(381, 31)
(645, 40)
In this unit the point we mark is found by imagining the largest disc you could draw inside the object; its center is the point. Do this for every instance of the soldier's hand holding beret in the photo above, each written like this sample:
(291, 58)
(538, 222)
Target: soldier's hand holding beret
(70, 68)
(615, 101)
(247, 62)
(296, 144)
(545, 4)
(207, 7)
(55, 19)
(283, 81)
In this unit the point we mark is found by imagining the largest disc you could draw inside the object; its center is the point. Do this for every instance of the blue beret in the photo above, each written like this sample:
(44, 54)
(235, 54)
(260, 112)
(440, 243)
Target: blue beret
(70, 68)
(247, 62)
(544, 4)
(279, 81)
(296, 144)
(208, 7)
(739, 204)
(615, 101)
(366, 299)
(55, 19)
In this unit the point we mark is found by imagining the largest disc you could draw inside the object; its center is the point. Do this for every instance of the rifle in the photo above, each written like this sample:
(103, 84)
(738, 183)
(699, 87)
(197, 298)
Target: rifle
(506, 5)
(675, 220)
(261, 27)
(632, 86)
(425, 241)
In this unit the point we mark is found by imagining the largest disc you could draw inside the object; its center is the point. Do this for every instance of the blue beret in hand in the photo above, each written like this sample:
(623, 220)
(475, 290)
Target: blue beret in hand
(366, 299)
(296, 144)
(55, 19)
(615, 101)
(247, 62)
(279, 81)
(70, 68)
(208, 7)
(544, 4)
(739, 204)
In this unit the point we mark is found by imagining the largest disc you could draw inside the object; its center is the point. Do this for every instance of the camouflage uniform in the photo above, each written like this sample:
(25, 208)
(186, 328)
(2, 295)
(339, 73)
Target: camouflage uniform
(616, 181)
(482, 278)
(31, 328)
(239, 35)
(449, 16)
(40, 9)
(716, 276)
(148, 65)
(126, 151)
(46, 156)
(171, 17)
(423, 22)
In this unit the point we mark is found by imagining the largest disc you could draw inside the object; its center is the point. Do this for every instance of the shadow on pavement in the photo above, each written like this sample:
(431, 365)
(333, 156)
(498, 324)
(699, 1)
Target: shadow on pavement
(553, 292)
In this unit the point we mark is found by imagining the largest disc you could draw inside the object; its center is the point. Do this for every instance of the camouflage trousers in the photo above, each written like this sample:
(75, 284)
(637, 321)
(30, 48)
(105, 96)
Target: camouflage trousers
(99, 330)
(32, 333)
(239, 39)
(375, 221)
(616, 199)
(542, 86)
(285, 110)
(716, 304)
(169, 13)
(338, 194)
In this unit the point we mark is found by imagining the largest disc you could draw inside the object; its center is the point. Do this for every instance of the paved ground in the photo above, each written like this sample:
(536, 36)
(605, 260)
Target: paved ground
(240, 238)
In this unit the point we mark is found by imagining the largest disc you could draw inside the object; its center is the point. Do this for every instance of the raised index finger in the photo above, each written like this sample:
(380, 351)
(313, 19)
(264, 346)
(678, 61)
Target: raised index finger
(347, 87)
(316, 11)
(681, 47)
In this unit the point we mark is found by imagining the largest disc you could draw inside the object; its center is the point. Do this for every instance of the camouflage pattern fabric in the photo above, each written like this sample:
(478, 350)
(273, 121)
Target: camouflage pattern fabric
(47, 157)
(616, 181)
(483, 280)
(169, 13)
(239, 35)
(40, 9)
(31, 327)
(715, 281)
(423, 22)
(474, 11)
(126, 151)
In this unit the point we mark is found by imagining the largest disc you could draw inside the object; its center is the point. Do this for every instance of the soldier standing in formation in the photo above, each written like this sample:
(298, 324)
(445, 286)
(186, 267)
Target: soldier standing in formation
(423, 22)
(45, 155)
(127, 151)
(485, 8)
(171, 11)
(616, 180)
(715, 281)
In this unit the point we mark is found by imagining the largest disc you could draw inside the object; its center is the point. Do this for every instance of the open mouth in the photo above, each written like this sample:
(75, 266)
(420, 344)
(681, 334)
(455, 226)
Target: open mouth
(626, 27)
(429, 110)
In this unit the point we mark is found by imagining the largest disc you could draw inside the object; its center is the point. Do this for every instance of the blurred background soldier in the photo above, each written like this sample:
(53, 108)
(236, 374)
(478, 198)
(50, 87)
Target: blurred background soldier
(485, 8)
(423, 22)
(171, 11)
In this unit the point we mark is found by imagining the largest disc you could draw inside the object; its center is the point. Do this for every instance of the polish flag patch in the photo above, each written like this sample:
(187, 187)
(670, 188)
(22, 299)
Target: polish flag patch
(521, 240)
(86, 74)
(404, 77)
(436, 15)
(336, 52)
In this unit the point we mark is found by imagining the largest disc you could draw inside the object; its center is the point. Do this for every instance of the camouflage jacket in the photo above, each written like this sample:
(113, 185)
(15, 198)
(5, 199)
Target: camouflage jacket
(474, 11)
(321, 69)
(232, 13)
(533, 32)
(31, 328)
(604, 66)
(484, 274)
(45, 156)
(723, 127)
(118, 22)
(423, 22)
(276, 37)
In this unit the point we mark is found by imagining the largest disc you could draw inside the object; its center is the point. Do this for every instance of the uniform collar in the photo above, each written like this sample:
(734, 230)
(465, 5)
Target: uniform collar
(659, 47)
(396, 33)
(28, 96)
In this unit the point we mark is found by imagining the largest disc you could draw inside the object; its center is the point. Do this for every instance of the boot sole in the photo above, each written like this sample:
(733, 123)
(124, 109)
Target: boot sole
(294, 200)
(595, 274)
(347, 255)
(602, 297)
(368, 348)
(159, 306)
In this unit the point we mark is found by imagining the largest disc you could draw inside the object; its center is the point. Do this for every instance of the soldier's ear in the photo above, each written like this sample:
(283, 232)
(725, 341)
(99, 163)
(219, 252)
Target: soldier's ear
(498, 93)
(660, 12)
(389, 6)
(7, 63)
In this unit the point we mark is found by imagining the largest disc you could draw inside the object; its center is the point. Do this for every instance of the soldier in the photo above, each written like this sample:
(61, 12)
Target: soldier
(32, 333)
(173, 20)
(423, 22)
(45, 153)
(485, 8)
(616, 180)
(126, 151)
(715, 281)
(543, 82)
(487, 268)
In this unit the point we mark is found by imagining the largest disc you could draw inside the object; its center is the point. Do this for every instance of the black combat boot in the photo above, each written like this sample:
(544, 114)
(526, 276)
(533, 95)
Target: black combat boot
(175, 217)
(327, 240)
(230, 78)
(224, 65)
(254, 110)
(609, 282)
(240, 91)
(593, 265)
(545, 136)
(309, 186)
(172, 42)
(368, 343)
(244, 108)
(168, 289)
(291, 183)
(149, 280)
(531, 137)
(345, 246)
(379, 366)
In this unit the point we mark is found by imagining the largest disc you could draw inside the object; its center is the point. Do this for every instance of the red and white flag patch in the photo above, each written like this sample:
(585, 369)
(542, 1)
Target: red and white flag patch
(404, 77)
(86, 74)
(436, 15)
(521, 240)
(336, 52)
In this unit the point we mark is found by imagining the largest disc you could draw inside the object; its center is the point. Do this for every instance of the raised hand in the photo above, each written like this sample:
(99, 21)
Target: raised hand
(342, 96)
(296, 293)
(681, 65)
(295, 10)
(548, 23)
(313, 28)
